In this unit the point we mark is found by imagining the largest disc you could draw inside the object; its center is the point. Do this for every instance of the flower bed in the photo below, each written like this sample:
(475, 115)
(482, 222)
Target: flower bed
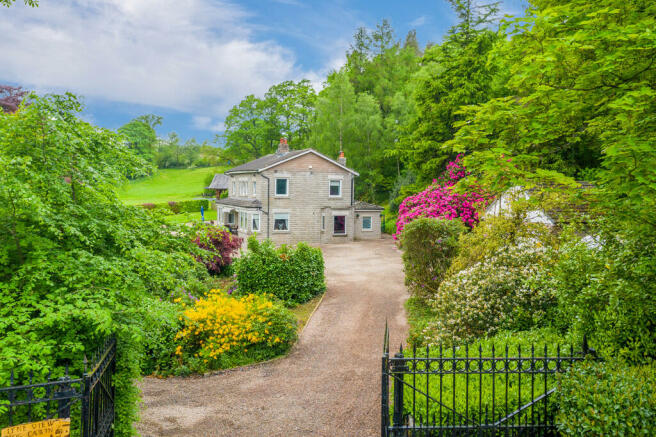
(221, 331)
(440, 200)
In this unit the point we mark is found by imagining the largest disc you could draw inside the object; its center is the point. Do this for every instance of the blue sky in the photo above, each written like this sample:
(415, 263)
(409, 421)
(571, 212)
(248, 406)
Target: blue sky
(191, 60)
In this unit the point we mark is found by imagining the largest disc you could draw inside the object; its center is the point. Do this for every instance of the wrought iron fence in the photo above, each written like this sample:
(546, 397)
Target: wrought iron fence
(90, 396)
(458, 391)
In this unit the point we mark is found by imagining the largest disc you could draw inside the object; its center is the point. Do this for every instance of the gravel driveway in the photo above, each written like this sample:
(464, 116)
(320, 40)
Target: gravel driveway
(329, 385)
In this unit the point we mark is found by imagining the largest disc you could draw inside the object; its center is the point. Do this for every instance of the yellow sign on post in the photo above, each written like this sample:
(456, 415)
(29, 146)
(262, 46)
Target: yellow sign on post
(45, 428)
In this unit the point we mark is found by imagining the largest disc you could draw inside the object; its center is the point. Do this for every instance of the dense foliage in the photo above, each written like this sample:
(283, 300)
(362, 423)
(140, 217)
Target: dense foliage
(220, 246)
(429, 244)
(504, 291)
(254, 126)
(75, 264)
(221, 331)
(291, 274)
(608, 399)
(608, 292)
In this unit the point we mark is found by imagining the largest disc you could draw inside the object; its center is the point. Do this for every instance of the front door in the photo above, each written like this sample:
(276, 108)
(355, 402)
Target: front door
(339, 224)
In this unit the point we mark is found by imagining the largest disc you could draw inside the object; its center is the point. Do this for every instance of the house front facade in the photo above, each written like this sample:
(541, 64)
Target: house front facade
(297, 195)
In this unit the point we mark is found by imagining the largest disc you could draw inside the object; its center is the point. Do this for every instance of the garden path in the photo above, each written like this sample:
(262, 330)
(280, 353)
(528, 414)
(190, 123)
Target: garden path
(329, 385)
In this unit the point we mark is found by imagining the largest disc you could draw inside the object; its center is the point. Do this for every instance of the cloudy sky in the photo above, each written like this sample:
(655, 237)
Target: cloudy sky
(190, 60)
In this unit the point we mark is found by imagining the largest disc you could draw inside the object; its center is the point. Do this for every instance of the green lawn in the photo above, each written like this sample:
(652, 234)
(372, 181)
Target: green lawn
(167, 185)
(187, 217)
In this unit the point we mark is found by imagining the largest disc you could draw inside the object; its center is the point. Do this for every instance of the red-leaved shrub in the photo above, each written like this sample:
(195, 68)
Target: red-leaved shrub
(220, 244)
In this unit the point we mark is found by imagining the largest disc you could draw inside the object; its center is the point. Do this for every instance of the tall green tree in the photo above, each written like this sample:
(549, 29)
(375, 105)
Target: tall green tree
(455, 73)
(141, 136)
(250, 129)
(76, 265)
(254, 126)
(334, 125)
(292, 108)
(581, 105)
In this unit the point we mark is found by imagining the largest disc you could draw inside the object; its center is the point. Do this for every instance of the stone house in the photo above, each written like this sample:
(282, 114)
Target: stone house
(297, 195)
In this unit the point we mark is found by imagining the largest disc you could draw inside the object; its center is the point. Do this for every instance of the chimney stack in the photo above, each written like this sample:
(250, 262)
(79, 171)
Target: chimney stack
(342, 158)
(283, 147)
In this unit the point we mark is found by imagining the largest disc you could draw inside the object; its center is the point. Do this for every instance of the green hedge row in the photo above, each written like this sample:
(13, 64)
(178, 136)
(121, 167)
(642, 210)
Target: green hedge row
(179, 207)
(609, 399)
(292, 274)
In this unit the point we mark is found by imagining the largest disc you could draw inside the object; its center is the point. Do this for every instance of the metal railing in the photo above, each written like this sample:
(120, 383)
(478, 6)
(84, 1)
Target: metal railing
(457, 391)
(91, 396)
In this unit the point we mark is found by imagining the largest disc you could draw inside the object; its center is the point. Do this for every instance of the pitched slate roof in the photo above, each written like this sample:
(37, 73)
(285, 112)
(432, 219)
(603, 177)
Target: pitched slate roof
(278, 158)
(265, 161)
(220, 182)
(364, 206)
(241, 203)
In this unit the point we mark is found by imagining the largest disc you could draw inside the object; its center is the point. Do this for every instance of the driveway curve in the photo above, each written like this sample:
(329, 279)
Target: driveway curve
(329, 385)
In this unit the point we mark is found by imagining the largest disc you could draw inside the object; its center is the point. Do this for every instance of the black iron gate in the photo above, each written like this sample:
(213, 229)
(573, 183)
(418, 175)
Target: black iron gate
(92, 394)
(457, 391)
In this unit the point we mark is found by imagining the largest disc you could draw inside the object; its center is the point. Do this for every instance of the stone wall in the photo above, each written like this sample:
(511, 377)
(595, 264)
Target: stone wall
(375, 232)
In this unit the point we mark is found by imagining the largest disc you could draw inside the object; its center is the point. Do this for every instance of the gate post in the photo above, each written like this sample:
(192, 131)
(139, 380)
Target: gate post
(398, 370)
(86, 395)
(64, 396)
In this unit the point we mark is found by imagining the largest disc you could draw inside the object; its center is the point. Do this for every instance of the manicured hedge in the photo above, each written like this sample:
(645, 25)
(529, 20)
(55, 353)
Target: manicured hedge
(429, 244)
(609, 399)
(179, 207)
(292, 274)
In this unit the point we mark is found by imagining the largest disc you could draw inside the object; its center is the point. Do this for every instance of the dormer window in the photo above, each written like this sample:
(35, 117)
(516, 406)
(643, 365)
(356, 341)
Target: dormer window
(335, 188)
(282, 187)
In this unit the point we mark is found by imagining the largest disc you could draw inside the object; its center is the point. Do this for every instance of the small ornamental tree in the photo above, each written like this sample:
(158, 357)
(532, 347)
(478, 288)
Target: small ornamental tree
(440, 201)
(220, 244)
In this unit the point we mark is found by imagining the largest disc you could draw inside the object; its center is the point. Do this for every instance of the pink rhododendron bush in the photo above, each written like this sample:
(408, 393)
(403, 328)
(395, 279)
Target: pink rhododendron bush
(439, 200)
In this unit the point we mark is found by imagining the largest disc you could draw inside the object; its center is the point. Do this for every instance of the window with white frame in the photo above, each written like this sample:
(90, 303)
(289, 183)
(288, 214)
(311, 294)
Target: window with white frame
(255, 222)
(281, 221)
(254, 188)
(243, 188)
(231, 218)
(242, 220)
(335, 188)
(282, 186)
(234, 188)
(366, 223)
(323, 222)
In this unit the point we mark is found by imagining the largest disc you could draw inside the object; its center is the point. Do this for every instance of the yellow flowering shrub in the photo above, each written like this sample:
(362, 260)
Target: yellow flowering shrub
(222, 331)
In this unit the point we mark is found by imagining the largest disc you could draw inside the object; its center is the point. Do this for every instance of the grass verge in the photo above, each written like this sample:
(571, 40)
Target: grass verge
(304, 311)
(419, 314)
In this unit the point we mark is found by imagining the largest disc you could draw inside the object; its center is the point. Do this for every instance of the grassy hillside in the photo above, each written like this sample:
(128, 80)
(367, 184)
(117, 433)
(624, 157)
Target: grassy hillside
(166, 185)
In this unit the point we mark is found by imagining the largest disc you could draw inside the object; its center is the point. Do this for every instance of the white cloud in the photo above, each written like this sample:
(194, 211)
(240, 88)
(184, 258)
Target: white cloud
(419, 21)
(197, 56)
(204, 122)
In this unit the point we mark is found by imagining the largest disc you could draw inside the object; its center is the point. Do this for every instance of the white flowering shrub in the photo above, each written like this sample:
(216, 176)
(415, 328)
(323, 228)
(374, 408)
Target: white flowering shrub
(509, 290)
